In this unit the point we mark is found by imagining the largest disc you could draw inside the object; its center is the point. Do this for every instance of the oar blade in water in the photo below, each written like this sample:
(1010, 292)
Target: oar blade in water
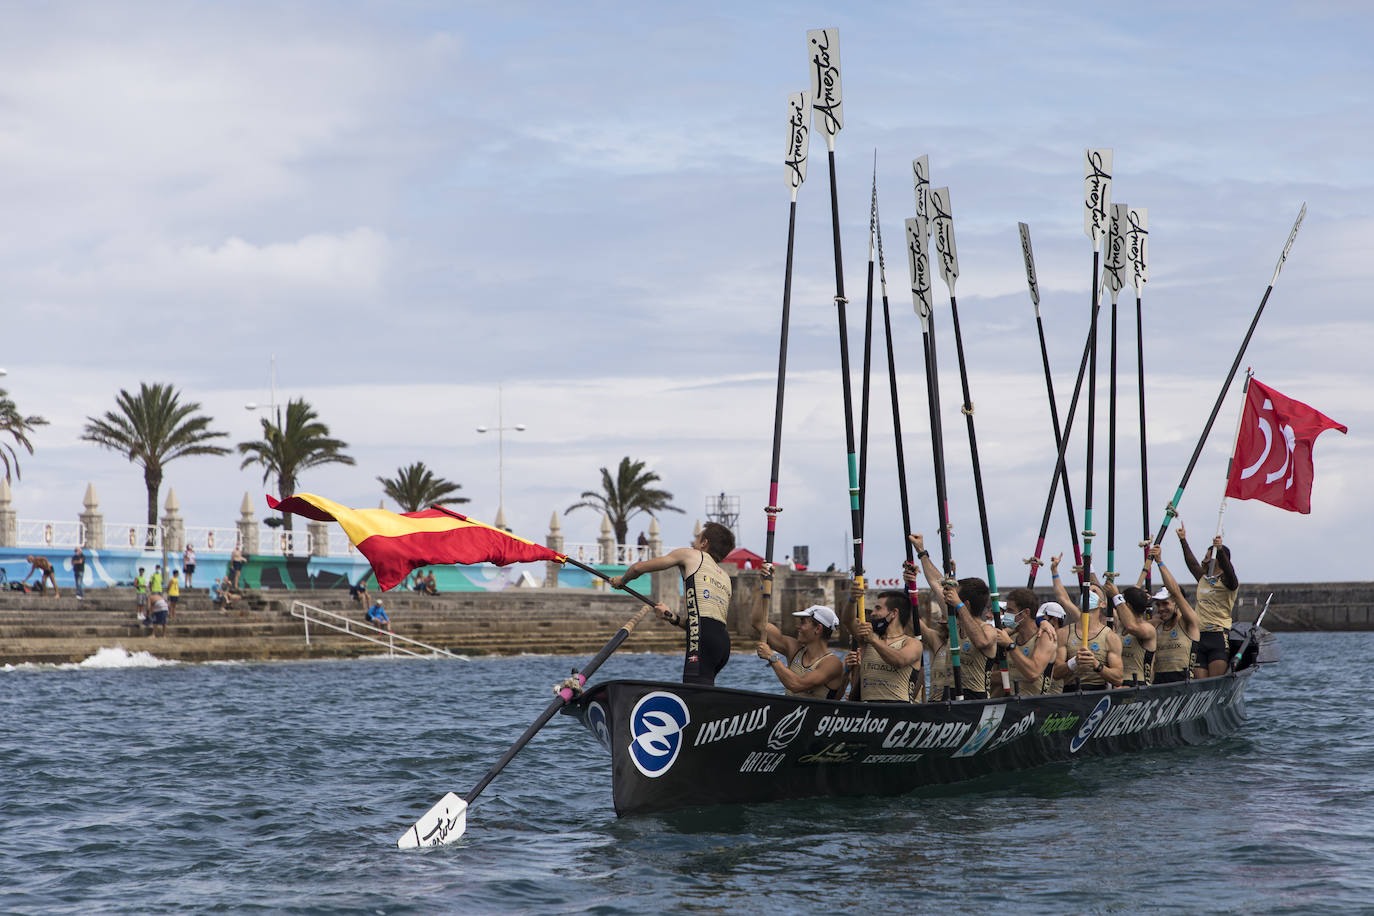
(443, 823)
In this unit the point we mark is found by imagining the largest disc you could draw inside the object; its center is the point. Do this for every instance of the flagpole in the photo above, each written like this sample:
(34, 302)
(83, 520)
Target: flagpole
(1137, 253)
(868, 350)
(798, 146)
(1171, 510)
(949, 269)
(1221, 510)
(1114, 276)
(827, 101)
(1097, 198)
(1061, 470)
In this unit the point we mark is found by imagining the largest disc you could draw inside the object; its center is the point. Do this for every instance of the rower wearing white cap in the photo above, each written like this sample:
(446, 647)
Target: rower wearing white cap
(887, 668)
(1052, 612)
(1176, 624)
(812, 670)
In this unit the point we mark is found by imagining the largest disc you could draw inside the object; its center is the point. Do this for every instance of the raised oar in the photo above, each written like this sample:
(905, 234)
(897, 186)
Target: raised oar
(1171, 510)
(868, 349)
(912, 591)
(794, 162)
(447, 820)
(823, 46)
(1061, 471)
(949, 269)
(1138, 255)
(919, 266)
(1114, 278)
(1097, 180)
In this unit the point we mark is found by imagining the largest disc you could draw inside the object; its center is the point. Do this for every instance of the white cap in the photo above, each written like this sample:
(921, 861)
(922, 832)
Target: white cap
(1161, 594)
(1051, 609)
(821, 614)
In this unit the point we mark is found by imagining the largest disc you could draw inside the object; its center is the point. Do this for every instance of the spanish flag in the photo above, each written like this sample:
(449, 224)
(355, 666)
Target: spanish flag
(396, 543)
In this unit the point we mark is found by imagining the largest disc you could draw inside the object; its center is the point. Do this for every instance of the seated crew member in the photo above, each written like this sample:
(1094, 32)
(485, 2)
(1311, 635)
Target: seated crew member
(811, 669)
(706, 590)
(1095, 665)
(887, 666)
(1034, 645)
(1217, 587)
(1177, 628)
(1138, 636)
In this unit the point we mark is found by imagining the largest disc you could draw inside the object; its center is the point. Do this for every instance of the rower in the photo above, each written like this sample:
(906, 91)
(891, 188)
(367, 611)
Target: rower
(1217, 587)
(706, 589)
(1094, 663)
(1052, 612)
(812, 670)
(978, 643)
(1177, 626)
(1138, 636)
(887, 668)
(1034, 645)
(932, 624)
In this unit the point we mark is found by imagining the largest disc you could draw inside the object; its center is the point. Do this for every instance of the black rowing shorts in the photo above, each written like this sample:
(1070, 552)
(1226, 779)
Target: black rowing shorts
(1212, 647)
(715, 652)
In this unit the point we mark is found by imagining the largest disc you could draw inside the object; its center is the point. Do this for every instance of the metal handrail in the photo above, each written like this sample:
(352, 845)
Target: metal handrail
(352, 628)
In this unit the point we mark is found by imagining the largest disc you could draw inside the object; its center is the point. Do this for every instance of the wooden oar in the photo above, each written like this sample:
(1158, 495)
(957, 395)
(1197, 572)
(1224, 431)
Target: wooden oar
(1061, 470)
(1171, 510)
(1114, 278)
(1138, 254)
(446, 821)
(823, 47)
(1097, 180)
(798, 147)
(949, 269)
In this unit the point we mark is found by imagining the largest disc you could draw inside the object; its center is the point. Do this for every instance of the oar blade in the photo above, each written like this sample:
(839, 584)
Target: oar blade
(444, 823)
(1097, 194)
(823, 51)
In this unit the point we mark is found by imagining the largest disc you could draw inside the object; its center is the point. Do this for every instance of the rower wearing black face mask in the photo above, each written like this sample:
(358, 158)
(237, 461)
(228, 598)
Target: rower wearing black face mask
(887, 667)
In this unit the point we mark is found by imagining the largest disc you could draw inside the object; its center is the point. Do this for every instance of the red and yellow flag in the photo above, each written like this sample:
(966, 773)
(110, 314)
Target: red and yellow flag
(396, 543)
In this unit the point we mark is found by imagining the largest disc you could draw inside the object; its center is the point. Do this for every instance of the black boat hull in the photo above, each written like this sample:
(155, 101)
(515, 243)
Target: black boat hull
(679, 745)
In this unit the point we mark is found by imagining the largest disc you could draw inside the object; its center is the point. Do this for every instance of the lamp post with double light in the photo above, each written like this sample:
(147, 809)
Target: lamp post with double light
(501, 429)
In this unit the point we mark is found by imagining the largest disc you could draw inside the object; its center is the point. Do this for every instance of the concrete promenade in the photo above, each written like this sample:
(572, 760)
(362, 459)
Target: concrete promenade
(45, 629)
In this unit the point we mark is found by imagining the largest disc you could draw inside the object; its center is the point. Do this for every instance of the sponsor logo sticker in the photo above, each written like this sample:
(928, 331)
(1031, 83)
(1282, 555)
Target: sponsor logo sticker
(836, 752)
(893, 758)
(992, 717)
(656, 725)
(761, 762)
(1059, 722)
(787, 729)
(732, 726)
(1094, 718)
(596, 721)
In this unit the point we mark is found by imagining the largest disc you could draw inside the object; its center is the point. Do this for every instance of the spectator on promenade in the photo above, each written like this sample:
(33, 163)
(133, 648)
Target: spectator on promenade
(141, 596)
(643, 544)
(188, 563)
(236, 563)
(359, 593)
(159, 617)
(428, 585)
(376, 615)
(173, 594)
(42, 565)
(155, 581)
(79, 572)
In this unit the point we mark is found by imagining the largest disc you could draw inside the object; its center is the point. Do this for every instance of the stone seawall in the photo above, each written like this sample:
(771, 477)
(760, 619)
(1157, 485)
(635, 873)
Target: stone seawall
(41, 629)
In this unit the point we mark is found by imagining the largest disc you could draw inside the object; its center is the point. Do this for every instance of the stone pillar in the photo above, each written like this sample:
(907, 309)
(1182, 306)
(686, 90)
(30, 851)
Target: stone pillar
(605, 544)
(663, 587)
(500, 521)
(319, 538)
(555, 543)
(9, 521)
(92, 521)
(173, 525)
(248, 526)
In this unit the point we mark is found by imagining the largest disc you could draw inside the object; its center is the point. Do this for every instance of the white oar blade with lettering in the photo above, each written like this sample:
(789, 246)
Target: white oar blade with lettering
(920, 182)
(798, 139)
(944, 236)
(1029, 257)
(1097, 193)
(1114, 267)
(443, 823)
(1138, 246)
(918, 266)
(1288, 246)
(827, 100)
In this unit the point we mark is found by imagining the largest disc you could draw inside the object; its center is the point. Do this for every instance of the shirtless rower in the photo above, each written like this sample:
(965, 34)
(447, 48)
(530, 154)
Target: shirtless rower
(887, 667)
(1177, 626)
(1217, 587)
(1034, 645)
(811, 669)
(1095, 665)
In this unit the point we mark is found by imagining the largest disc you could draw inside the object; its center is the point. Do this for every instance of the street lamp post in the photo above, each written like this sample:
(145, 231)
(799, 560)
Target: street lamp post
(500, 429)
(273, 406)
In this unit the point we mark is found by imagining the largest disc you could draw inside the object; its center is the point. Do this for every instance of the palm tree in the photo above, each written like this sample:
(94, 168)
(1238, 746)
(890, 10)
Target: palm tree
(286, 449)
(150, 429)
(18, 426)
(626, 495)
(415, 487)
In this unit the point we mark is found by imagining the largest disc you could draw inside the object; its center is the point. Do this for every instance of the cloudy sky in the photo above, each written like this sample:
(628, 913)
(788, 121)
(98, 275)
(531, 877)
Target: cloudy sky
(410, 203)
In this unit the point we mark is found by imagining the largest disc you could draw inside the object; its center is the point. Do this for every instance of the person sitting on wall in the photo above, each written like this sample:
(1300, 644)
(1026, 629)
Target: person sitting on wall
(428, 584)
(808, 668)
(376, 615)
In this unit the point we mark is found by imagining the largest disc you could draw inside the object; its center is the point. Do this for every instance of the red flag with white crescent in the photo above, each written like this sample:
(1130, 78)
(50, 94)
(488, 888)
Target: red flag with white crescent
(1273, 458)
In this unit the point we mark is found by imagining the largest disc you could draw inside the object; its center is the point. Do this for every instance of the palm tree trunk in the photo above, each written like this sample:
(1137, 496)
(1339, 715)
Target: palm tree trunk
(286, 487)
(152, 479)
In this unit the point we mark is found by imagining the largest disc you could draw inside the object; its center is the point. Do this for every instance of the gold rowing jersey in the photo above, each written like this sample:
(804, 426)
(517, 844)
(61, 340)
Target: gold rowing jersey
(1097, 645)
(1214, 605)
(880, 681)
(1037, 685)
(1133, 660)
(1173, 649)
(709, 589)
(821, 691)
(941, 674)
(973, 666)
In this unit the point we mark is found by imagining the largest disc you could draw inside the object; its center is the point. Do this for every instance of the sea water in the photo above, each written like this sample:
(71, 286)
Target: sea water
(130, 784)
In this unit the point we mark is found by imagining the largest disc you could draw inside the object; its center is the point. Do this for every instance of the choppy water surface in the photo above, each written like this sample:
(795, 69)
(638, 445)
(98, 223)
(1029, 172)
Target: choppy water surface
(130, 786)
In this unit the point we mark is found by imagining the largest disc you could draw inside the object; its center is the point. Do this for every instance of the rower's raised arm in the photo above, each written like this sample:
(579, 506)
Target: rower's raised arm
(1061, 594)
(928, 568)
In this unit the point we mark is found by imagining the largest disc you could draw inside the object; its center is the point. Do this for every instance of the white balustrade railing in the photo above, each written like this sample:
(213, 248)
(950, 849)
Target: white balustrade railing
(621, 554)
(211, 539)
(133, 534)
(39, 533)
(339, 544)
